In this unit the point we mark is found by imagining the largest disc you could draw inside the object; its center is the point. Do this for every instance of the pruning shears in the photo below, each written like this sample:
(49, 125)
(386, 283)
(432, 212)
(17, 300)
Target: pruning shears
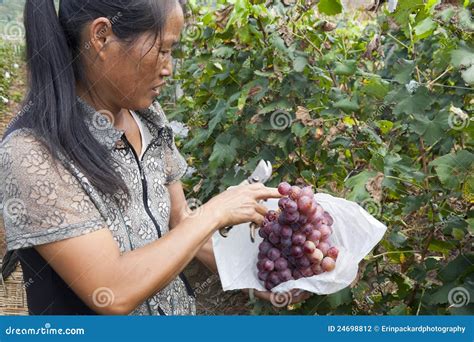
(262, 174)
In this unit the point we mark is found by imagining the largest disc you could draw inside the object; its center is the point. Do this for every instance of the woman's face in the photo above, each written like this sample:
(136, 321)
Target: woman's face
(131, 75)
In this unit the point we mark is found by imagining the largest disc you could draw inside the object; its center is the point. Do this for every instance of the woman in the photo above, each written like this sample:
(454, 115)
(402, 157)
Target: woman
(91, 192)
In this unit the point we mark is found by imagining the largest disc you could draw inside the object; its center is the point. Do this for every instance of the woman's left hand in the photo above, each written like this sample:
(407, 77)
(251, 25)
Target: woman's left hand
(295, 296)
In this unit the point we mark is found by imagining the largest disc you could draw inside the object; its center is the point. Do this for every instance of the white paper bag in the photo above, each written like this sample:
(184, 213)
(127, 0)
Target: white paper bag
(355, 233)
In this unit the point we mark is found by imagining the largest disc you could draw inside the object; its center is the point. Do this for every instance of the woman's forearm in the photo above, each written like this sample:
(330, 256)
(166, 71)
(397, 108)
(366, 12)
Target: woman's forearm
(133, 276)
(158, 263)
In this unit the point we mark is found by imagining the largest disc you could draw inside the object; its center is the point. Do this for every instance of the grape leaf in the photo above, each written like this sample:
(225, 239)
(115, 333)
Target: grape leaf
(403, 69)
(453, 168)
(456, 268)
(223, 52)
(417, 103)
(218, 114)
(357, 184)
(406, 8)
(463, 59)
(440, 246)
(470, 222)
(401, 309)
(330, 7)
(339, 298)
(346, 68)
(431, 129)
(441, 295)
(376, 88)
(223, 153)
(425, 28)
(347, 105)
(299, 63)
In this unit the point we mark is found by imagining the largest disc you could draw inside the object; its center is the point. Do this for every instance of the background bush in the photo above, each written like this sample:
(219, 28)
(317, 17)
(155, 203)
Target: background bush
(374, 107)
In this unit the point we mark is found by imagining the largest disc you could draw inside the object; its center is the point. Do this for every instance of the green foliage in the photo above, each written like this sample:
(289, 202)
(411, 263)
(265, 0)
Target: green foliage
(8, 58)
(377, 112)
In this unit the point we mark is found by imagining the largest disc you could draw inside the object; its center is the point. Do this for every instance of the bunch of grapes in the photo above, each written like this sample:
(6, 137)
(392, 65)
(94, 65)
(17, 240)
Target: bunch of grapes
(295, 238)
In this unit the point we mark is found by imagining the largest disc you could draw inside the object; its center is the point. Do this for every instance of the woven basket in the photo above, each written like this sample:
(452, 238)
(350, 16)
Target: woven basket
(13, 294)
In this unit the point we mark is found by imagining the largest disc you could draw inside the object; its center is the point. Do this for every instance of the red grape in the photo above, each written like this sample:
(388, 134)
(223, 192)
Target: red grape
(265, 246)
(271, 215)
(283, 202)
(326, 240)
(262, 233)
(317, 269)
(284, 188)
(281, 264)
(302, 219)
(333, 252)
(298, 239)
(304, 204)
(282, 218)
(273, 254)
(286, 242)
(303, 262)
(315, 236)
(262, 275)
(285, 275)
(316, 256)
(307, 229)
(307, 191)
(297, 251)
(291, 260)
(317, 215)
(286, 232)
(292, 217)
(295, 227)
(291, 206)
(324, 247)
(295, 192)
(318, 224)
(276, 228)
(267, 228)
(328, 264)
(307, 272)
(328, 218)
(274, 238)
(268, 265)
(274, 278)
(325, 231)
(297, 274)
(309, 247)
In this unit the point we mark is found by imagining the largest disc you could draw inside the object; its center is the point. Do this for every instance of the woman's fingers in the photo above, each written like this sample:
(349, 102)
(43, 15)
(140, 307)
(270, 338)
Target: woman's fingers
(261, 209)
(258, 219)
(264, 193)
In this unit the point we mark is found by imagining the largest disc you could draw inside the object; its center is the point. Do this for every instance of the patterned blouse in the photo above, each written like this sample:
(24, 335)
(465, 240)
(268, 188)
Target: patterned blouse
(45, 201)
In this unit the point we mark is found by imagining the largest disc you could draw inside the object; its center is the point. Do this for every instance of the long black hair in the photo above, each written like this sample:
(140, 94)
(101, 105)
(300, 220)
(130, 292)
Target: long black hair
(53, 51)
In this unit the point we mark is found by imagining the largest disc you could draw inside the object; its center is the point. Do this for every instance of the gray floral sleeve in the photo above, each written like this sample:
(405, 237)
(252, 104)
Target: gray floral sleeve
(41, 201)
(176, 165)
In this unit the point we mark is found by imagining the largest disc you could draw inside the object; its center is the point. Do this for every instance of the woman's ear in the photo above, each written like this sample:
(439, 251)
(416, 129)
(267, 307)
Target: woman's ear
(99, 34)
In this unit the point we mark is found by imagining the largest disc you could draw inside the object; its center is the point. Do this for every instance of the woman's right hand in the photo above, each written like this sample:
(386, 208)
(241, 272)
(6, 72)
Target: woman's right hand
(239, 204)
